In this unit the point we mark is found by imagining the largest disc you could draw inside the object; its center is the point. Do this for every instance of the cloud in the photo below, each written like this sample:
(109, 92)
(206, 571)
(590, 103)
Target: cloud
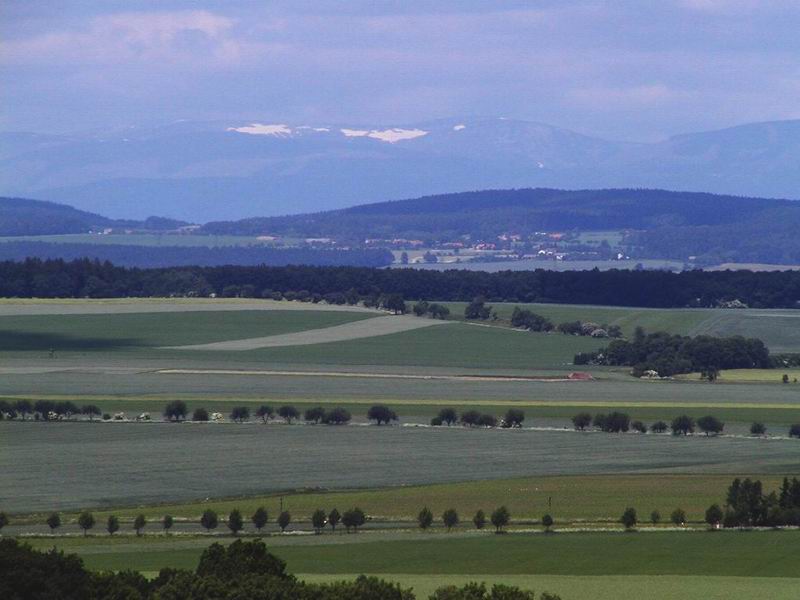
(196, 38)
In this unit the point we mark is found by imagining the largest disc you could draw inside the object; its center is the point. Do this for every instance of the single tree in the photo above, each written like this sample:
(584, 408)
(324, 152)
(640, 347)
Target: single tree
(655, 517)
(381, 414)
(479, 520)
(658, 427)
(333, 519)
(209, 520)
(471, 418)
(477, 309)
(547, 523)
(337, 416)
(175, 410)
(283, 520)
(112, 525)
(318, 520)
(288, 413)
(714, 515)
(629, 518)
(91, 411)
(638, 427)
(235, 521)
(314, 415)
(200, 415)
(581, 421)
(678, 517)
(758, 429)
(448, 415)
(785, 378)
(682, 425)
(240, 414)
(86, 521)
(794, 430)
(167, 522)
(23, 408)
(514, 417)
(54, 521)
(394, 303)
(487, 421)
(353, 519)
(450, 518)
(425, 518)
(139, 523)
(3, 520)
(264, 412)
(260, 518)
(500, 518)
(709, 425)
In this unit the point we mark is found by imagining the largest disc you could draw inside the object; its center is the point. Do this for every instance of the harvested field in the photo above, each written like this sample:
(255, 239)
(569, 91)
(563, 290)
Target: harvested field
(349, 331)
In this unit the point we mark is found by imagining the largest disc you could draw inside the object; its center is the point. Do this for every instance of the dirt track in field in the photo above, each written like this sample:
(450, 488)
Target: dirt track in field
(348, 331)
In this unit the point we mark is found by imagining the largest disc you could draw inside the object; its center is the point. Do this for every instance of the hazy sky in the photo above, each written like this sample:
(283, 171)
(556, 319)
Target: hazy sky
(636, 70)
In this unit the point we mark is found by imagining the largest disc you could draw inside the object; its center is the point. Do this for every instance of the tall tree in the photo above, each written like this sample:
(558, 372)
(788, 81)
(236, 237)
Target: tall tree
(260, 518)
(209, 520)
(333, 519)
(284, 519)
(450, 518)
(318, 520)
(425, 518)
(500, 518)
(235, 521)
(86, 521)
(139, 523)
(112, 525)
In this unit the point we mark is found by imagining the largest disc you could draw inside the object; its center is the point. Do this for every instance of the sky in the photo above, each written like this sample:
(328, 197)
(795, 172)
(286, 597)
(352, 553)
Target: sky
(635, 70)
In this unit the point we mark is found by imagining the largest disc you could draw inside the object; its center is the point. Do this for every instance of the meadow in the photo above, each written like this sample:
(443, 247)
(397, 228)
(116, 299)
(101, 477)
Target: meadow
(663, 565)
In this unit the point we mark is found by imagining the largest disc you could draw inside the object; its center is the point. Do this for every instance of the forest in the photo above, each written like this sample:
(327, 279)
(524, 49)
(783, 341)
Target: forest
(657, 289)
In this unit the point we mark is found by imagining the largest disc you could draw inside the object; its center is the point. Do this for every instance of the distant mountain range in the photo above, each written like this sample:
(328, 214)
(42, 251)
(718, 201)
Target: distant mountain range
(230, 170)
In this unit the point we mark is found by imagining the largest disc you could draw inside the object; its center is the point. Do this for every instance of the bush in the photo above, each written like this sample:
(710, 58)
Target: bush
(200, 414)
(337, 416)
(655, 517)
(794, 430)
(514, 418)
(758, 429)
(639, 427)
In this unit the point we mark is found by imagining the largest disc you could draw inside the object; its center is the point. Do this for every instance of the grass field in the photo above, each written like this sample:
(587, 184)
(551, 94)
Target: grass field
(142, 239)
(569, 499)
(723, 554)
(753, 376)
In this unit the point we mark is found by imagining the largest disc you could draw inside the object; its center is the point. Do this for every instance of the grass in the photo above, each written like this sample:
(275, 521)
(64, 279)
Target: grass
(142, 239)
(142, 331)
(605, 587)
(719, 554)
(567, 498)
(752, 376)
(779, 329)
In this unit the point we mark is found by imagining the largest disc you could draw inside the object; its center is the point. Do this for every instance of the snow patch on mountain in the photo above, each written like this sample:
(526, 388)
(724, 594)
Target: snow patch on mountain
(391, 136)
(278, 130)
(459, 127)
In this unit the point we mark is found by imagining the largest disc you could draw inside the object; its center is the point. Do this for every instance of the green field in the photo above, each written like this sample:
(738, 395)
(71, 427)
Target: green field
(662, 566)
(570, 499)
(142, 239)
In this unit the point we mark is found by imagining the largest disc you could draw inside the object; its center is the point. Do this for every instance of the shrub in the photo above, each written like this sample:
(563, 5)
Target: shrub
(514, 418)
(658, 427)
(655, 517)
(794, 430)
(547, 522)
(638, 426)
(758, 429)
(200, 414)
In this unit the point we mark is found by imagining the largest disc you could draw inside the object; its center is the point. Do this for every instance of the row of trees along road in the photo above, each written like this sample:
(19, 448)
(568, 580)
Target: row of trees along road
(177, 410)
(619, 422)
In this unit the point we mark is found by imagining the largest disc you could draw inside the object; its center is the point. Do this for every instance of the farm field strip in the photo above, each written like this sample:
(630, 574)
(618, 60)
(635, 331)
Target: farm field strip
(368, 328)
(98, 465)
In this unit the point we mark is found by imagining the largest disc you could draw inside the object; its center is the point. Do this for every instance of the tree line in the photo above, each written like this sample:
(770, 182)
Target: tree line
(746, 505)
(243, 569)
(620, 422)
(663, 354)
(659, 289)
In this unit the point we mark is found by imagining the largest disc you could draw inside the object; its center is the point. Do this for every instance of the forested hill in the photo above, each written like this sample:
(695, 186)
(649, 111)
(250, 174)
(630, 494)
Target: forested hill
(22, 216)
(486, 214)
